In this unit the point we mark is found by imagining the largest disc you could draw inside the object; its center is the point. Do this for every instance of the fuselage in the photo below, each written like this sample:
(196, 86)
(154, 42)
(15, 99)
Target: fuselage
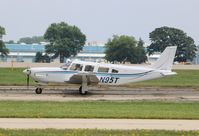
(107, 74)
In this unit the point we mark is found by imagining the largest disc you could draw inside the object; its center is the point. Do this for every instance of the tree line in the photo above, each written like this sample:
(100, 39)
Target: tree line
(66, 40)
(125, 49)
(3, 50)
(31, 40)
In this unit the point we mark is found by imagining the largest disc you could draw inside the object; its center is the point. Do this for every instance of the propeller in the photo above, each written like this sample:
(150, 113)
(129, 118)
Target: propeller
(28, 79)
(27, 72)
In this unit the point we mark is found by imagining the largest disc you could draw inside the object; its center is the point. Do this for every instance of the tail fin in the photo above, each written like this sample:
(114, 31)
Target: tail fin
(165, 61)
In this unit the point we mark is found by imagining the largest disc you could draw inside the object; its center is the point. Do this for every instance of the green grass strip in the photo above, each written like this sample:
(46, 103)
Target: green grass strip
(100, 109)
(93, 132)
(184, 78)
(9, 76)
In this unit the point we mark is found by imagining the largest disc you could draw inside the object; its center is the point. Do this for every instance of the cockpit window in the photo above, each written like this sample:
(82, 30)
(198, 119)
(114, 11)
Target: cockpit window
(76, 67)
(114, 71)
(103, 69)
(65, 66)
(89, 68)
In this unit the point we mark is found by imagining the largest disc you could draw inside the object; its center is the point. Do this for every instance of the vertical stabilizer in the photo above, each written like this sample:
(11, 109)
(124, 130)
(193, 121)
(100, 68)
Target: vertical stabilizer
(165, 61)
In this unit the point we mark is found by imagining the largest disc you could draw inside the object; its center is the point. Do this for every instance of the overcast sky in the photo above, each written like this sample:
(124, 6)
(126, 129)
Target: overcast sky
(99, 19)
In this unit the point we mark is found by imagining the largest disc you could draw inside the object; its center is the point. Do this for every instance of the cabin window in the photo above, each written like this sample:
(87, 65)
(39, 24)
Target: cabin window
(76, 67)
(103, 69)
(114, 71)
(89, 68)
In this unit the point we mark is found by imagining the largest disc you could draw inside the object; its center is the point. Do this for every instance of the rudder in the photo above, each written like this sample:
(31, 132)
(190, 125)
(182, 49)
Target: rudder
(166, 59)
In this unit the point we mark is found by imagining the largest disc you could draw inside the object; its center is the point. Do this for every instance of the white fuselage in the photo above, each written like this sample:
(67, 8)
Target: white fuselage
(107, 74)
(90, 73)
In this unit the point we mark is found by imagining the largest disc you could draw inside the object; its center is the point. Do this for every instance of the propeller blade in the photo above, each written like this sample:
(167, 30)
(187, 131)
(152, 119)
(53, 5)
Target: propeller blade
(28, 79)
(27, 72)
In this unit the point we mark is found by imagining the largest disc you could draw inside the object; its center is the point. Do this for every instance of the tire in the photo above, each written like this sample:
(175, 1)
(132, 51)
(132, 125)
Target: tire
(38, 90)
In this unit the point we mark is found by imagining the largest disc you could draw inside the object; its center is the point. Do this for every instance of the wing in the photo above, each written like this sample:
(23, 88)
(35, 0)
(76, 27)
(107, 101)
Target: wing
(91, 79)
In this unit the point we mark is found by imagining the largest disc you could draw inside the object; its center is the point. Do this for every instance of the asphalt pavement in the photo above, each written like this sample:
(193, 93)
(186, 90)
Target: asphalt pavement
(99, 93)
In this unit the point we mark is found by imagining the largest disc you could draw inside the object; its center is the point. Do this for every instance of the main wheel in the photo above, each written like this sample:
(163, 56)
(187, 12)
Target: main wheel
(38, 90)
(82, 92)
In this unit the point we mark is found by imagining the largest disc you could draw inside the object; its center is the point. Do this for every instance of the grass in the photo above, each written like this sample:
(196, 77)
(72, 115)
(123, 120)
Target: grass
(9, 76)
(100, 109)
(93, 132)
(184, 78)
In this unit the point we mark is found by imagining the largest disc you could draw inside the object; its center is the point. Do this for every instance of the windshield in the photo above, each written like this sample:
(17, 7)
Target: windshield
(76, 67)
(65, 66)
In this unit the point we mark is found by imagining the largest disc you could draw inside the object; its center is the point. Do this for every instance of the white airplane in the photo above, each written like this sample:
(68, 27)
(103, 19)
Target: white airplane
(90, 73)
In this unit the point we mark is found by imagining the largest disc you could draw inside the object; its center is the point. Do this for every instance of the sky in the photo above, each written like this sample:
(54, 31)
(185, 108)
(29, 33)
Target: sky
(99, 20)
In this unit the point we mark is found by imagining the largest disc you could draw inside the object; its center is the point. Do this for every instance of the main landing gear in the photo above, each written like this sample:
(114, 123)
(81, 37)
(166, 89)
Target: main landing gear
(83, 90)
(38, 90)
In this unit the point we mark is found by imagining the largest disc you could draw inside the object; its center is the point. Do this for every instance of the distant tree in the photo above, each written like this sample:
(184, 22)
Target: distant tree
(38, 57)
(123, 48)
(46, 58)
(31, 40)
(141, 53)
(26, 40)
(3, 50)
(168, 36)
(64, 40)
(42, 58)
(2, 32)
(38, 39)
(9, 42)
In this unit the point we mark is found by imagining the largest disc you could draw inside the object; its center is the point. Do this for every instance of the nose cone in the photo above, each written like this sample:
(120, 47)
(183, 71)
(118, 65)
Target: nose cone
(27, 71)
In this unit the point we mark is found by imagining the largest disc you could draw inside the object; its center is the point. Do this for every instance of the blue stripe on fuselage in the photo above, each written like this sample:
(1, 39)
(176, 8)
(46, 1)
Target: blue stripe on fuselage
(122, 75)
(99, 74)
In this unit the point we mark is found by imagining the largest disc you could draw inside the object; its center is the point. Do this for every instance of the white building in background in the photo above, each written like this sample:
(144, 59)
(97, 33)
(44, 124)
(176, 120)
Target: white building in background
(27, 52)
(93, 51)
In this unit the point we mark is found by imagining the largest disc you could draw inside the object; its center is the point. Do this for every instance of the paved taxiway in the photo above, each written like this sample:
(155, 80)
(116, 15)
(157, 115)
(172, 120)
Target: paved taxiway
(103, 93)
(13, 123)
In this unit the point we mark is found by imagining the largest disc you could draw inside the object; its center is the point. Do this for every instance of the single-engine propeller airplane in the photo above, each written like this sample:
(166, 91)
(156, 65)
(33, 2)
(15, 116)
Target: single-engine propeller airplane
(91, 73)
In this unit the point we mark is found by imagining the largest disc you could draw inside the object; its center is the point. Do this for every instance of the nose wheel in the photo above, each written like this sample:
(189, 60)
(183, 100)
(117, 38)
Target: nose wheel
(38, 90)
